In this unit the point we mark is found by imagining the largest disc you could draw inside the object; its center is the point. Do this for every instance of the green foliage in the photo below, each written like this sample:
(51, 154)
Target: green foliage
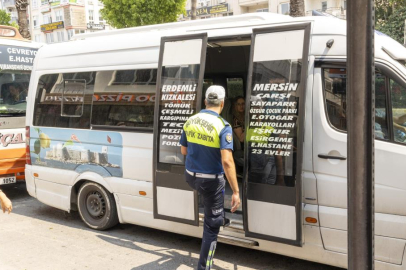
(385, 8)
(130, 13)
(4, 18)
(394, 25)
(14, 24)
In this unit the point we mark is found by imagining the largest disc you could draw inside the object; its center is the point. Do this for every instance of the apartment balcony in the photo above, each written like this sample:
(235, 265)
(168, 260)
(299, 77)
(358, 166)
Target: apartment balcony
(9, 4)
(247, 3)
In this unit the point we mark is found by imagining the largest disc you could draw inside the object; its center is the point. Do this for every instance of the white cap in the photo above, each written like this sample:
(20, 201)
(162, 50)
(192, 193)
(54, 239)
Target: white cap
(215, 92)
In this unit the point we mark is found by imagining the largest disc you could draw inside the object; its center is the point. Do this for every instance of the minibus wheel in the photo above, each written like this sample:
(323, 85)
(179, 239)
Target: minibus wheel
(97, 206)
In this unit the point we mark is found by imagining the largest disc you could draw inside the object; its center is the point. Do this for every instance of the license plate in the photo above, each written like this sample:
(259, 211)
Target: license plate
(7, 180)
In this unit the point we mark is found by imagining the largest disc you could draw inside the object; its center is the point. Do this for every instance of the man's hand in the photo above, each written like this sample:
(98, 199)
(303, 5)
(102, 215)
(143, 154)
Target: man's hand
(5, 203)
(235, 202)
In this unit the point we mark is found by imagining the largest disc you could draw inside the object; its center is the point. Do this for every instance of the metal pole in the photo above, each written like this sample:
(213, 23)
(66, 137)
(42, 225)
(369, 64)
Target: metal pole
(361, 112)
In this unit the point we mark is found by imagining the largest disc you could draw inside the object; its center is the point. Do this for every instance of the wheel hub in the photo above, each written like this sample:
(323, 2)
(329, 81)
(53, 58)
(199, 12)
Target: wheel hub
(96, 204)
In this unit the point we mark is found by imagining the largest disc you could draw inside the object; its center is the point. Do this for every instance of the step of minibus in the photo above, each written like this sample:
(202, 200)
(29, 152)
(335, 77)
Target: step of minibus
(237, 241)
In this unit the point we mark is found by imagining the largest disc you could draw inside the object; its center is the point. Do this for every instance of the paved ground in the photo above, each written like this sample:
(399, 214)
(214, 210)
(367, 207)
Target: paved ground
(36, 236)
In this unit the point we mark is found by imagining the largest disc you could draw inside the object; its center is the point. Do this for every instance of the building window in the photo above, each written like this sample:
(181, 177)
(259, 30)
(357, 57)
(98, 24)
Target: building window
(35, 21)
(50, 37)
(263, 10)
(285, 9)
(91, 15)
(34, 4)
(61, 36)
(47, 18)
(345, 5)
(59, 15)
(44, 2)
(324, 6)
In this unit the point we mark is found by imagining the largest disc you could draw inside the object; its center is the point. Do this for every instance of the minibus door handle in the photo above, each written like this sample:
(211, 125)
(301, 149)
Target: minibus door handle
(326, 156)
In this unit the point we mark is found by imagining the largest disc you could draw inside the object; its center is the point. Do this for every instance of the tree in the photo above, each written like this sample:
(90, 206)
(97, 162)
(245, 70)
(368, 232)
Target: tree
(297, 8)
(193, 9)
(21, 6)
(394, 26)
(5, 19)
(129, 13)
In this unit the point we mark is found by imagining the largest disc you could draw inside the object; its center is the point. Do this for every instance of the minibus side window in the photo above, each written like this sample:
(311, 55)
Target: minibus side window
(335, 90)
(398, 98)
(48, 103)
(124, 98)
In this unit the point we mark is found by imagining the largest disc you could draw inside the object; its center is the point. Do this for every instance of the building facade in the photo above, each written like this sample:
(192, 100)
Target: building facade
(219, 8)
(10, 7)
(55, 21)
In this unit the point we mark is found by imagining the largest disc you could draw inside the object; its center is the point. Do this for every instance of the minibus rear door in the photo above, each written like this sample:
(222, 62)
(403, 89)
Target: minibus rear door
(274, 133)
(179, 85)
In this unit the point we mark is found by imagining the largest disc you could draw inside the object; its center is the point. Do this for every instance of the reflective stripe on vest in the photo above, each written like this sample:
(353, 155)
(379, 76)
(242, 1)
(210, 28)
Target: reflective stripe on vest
(204, 129)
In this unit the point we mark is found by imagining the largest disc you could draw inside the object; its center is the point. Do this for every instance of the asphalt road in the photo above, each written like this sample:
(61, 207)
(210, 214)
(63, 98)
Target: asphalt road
(37, 236)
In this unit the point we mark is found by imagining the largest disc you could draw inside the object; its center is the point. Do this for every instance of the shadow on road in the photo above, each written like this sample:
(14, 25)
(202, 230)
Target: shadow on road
(133, 237)
(169, 259)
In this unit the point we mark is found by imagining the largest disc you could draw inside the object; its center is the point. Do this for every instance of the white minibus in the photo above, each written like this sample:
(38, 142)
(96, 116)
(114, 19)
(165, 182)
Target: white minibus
(106, 111)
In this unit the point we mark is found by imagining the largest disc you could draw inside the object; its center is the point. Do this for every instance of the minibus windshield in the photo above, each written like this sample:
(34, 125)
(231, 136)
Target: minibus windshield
(13, 93)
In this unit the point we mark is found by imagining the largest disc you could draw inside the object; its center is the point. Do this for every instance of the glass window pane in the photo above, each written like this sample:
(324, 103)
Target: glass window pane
(398, 97)
(123, 103)
(73, 98)
(13, 93)
(381, 122)
(235, 87)
(335, 90)
(48, 103)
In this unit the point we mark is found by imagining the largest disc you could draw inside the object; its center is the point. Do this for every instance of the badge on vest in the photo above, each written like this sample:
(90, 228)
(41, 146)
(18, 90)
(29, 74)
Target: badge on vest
(229, 138)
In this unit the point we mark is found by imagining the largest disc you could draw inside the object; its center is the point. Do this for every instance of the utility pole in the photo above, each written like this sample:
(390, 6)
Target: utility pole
(361, 117)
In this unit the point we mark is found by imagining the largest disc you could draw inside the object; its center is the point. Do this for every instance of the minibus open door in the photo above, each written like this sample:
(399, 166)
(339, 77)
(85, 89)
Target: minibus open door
(272, 188)
(179, 86)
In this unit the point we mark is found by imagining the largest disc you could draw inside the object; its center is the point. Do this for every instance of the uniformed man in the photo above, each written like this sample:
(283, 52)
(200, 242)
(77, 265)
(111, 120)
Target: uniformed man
(207, 142)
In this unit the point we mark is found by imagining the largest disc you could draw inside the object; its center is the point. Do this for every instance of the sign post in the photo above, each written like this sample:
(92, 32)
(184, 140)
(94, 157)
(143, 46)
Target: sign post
(361, 111)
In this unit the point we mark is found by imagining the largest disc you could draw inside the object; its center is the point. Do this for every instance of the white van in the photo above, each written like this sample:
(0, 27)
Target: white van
(106, 112)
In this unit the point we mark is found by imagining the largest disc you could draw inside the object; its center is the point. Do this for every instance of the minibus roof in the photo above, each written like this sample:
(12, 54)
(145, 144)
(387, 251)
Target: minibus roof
(106, 42)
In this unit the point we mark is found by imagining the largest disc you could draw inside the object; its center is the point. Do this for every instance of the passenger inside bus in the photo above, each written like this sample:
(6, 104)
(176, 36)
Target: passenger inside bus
(238, 125)
(15, 93)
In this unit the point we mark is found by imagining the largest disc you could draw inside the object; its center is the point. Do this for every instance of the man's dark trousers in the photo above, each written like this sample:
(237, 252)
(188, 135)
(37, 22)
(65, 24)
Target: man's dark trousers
(212, 190)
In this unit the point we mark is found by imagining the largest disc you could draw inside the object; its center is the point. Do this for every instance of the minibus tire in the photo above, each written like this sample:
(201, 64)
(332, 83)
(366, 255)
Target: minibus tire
(97, 206)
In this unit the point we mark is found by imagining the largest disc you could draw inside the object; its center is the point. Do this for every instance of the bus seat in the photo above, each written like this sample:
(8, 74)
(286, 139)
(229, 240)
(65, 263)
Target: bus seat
(227, 113)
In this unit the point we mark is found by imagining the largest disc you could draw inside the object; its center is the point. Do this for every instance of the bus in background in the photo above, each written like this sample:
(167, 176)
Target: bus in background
(16, 62)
